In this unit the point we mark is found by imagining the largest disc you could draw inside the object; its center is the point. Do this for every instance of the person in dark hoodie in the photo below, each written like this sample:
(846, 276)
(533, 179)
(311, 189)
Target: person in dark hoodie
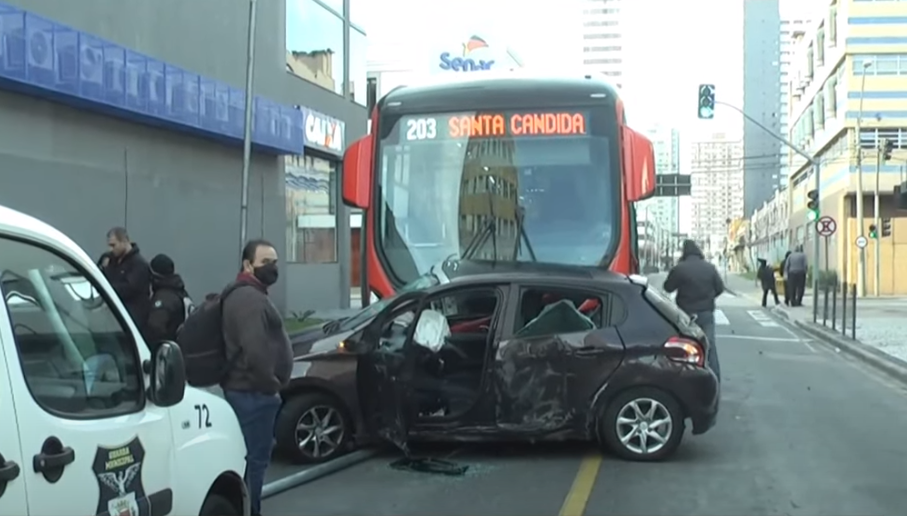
(260, 358)
(128, 274)
(697, 283)
(168, 301)
(766, 275)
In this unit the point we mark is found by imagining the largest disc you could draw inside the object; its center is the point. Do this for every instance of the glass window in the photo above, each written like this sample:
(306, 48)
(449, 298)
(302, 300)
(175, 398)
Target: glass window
(315, 44)
(358, 62)
(311, 185)
(77, 357)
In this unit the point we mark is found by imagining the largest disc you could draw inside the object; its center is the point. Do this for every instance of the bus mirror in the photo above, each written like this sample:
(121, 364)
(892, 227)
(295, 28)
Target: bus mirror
(357, 173)
(639, 165)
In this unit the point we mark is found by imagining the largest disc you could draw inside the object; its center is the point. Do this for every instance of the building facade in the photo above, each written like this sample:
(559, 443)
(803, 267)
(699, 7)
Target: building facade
(795, 20)
(761, 100)
(663, 213)
(140, 106)
(716, 178)
(603, 39)
(853, 55)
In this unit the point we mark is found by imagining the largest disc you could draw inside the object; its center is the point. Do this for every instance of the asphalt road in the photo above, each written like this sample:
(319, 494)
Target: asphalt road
(802, 430)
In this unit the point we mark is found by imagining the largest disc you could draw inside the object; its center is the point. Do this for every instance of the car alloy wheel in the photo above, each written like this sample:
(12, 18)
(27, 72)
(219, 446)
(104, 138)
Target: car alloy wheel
(320, 431)
(312, 427)
(642, 424)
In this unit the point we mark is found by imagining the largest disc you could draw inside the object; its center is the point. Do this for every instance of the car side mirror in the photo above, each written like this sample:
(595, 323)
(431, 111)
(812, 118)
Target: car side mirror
(168, 375)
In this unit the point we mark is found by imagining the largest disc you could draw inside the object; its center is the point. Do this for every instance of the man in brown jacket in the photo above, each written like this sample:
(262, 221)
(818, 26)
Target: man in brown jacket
(260, 358)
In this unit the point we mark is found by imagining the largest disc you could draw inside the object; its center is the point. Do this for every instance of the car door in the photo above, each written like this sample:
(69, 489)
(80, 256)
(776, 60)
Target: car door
(95, 444)
(13, 500)
(384, 369)
(557, 350)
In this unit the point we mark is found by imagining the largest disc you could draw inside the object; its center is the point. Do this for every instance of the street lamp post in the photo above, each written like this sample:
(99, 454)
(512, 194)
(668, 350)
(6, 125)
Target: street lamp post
(861, 266)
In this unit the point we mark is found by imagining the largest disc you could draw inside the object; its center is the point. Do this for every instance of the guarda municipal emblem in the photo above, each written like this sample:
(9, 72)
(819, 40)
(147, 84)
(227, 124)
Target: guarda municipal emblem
(119, 474)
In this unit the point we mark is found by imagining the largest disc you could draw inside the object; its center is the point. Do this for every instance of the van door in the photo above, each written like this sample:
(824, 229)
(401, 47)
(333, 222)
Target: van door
(94, 444)
(12, 467)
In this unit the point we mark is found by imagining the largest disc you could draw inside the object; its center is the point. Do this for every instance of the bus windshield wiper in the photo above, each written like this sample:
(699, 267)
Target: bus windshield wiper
(489, 229)
(522, 237)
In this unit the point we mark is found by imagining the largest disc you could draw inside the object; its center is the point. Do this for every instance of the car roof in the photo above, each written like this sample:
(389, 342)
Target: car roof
(529, 272)
(19, 225)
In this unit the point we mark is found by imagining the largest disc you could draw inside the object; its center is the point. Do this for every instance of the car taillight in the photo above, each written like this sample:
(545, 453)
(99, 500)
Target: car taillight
(681, 349)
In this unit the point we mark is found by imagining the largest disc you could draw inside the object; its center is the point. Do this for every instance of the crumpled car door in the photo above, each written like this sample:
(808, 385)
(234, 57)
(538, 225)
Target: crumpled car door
(385, 367)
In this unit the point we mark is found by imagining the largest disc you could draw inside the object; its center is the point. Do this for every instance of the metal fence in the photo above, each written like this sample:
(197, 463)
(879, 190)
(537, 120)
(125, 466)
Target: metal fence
(837, 308)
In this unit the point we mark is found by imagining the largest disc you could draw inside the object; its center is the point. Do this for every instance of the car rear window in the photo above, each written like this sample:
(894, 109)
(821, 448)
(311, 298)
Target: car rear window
(668, 308)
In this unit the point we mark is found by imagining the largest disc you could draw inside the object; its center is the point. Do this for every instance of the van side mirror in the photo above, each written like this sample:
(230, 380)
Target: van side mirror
(168, 375)
(638, 157)
(357, 173)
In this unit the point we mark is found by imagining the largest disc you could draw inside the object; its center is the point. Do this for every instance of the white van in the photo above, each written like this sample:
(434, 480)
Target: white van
(92, 422)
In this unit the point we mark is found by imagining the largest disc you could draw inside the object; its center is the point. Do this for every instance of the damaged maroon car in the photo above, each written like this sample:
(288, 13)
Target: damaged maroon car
(538, 353)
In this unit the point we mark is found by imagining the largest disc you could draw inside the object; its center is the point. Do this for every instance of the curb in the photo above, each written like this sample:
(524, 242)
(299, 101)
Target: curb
(878, 359)
(315, 472)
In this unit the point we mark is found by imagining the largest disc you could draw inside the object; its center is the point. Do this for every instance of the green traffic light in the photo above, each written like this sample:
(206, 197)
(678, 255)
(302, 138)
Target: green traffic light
(812, 215)
(872, 234)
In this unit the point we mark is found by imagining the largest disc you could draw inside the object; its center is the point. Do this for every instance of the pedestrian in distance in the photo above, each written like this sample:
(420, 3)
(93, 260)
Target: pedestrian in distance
(766, 275)
(795, 269)
(259, 359)
(128, 274)
(698, 283)
(170, 303)
(786, 281)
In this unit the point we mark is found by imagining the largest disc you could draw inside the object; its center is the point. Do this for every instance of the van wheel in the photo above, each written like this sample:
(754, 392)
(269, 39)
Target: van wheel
(643, 424)
(217, 505)
(313, 428)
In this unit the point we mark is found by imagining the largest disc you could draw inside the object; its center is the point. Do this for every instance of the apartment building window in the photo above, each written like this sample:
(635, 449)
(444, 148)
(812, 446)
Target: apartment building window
(358, 86)
(600, 23)
(833, 26)
(601, 11)
(602, 61)
(612, 48)
(820, 47)
(601, 36)
(314, 42)
(882, 64)
(810, 62)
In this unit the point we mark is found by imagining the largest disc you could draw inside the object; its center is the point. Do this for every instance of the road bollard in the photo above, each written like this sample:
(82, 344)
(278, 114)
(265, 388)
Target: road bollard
(853, 320)
(825, 305)
(844, 288)
(834, 307)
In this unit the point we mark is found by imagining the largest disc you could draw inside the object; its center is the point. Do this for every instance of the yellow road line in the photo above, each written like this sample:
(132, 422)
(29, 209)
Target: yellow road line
(581, 490)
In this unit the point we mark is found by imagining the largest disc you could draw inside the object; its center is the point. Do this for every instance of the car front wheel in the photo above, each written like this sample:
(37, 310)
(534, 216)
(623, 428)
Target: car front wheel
(642, 424)
(312, 428)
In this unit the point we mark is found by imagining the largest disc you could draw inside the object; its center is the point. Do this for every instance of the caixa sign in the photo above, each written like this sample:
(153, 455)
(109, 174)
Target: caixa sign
(323, 132)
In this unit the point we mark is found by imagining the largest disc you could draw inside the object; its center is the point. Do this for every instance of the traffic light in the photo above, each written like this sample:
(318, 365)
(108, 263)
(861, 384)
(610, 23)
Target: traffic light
(873, 233)
(706, 101)
(887, 147)
(812, 205)
(886, 227)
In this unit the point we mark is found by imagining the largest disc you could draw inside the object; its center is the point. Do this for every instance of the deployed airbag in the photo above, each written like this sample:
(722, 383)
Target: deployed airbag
(431, 330)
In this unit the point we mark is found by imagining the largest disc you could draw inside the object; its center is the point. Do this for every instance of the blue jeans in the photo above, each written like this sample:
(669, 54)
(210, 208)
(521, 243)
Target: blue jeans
(257, 414)
(706, 321)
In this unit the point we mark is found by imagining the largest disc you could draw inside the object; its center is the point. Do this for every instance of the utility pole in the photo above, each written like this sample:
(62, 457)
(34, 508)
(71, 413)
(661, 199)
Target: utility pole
(861, 263)
(247, 130)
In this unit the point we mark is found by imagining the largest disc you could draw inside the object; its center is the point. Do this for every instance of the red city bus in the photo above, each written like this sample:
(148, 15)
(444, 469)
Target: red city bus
(496, 170)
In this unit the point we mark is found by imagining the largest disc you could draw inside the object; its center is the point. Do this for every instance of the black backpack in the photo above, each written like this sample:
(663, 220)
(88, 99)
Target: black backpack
(201, 340)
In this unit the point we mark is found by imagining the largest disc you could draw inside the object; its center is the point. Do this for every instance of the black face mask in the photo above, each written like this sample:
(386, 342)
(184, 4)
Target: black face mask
(266, 274)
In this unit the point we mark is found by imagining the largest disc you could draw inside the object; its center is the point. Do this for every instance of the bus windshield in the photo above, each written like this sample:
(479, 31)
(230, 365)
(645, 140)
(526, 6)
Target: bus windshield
(508, 186)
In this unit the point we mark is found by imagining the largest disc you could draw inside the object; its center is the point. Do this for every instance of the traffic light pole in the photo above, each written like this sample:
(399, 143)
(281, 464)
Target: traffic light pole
(877, 218)
(818, 188)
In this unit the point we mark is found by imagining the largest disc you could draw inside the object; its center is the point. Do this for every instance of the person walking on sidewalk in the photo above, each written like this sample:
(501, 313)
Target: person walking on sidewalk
(786, 280)
(698, 283)
(128, 274)
(795, 270)
(766, 275)
(259, 360)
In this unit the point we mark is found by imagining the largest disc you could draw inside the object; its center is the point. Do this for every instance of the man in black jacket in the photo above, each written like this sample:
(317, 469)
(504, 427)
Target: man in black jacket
(128, 274)
(260, 358)
(168, 301)
(697, 284)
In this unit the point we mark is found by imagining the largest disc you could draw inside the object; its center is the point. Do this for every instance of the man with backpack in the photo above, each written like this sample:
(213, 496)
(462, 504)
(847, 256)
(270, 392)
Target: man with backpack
(170, 304)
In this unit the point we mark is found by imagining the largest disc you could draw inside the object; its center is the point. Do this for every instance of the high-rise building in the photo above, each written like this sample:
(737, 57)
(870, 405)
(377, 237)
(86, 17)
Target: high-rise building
(795, 16)
(761, 101)
(716, 177)
(603, 41)
(664, 212)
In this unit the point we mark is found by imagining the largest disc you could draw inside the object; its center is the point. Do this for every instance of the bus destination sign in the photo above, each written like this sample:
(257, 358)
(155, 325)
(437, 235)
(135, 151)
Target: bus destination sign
(493, 125)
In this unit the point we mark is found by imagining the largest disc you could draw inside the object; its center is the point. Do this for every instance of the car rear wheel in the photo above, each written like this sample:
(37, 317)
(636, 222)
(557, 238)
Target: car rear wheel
(313, 428)
(642, 424)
